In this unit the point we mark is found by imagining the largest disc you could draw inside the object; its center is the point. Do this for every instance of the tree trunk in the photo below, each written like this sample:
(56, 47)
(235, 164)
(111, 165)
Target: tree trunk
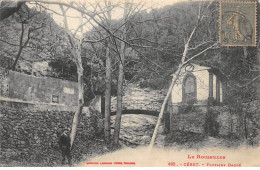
(19, 54)
(17, 58)
(120, 82)
(183, 62)
(184, 55)
(76, 53)
(80, 71)
(80, 100)
(107, 97)
(20, 48)
(164, 104)
(119, 94)
(108, 82)
(245, 125)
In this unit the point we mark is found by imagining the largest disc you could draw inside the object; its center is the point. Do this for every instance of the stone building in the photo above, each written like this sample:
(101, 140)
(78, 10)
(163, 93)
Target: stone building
(38, 90)
(197, 88)
(199, 84)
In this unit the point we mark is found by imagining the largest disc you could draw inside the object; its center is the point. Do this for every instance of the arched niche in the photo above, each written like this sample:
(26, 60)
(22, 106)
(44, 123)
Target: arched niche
(189, 88)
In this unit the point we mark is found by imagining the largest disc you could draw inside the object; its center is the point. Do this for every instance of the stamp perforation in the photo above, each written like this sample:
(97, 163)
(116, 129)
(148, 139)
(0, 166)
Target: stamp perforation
(255, 22)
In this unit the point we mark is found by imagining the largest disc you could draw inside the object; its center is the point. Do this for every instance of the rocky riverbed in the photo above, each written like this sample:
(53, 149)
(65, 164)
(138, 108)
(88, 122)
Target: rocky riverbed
(137, 129)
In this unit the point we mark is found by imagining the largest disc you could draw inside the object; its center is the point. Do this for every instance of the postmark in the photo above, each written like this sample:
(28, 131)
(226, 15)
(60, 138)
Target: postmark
(237, 23)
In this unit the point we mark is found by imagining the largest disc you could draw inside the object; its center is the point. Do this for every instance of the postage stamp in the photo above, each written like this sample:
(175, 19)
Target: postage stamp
(237, 23)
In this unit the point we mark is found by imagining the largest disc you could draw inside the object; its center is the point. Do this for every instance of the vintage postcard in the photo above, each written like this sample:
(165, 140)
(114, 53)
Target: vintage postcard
(129, 83)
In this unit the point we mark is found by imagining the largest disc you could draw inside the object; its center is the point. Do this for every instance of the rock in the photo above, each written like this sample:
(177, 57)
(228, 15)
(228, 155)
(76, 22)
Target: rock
(136, 98)
(138, 129)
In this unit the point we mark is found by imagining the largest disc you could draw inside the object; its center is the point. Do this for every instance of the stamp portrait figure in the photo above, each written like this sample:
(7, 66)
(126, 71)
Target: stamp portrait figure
(237, 23)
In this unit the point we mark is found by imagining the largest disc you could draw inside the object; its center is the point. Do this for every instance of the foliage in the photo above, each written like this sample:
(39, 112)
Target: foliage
(155, 84)
(165, 32)
(186, 108)
(38, 28)
(182, 137)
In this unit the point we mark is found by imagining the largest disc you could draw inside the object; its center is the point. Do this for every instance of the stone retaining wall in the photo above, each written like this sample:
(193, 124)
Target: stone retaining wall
(236, 124)
(30, 135)
(215, 121)
(188, 119)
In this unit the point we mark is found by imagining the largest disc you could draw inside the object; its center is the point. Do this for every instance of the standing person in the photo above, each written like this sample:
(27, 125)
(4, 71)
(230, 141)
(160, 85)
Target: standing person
(64, 143)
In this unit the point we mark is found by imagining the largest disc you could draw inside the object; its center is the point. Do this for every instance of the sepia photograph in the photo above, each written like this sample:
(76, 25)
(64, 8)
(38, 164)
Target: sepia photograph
(129, 83)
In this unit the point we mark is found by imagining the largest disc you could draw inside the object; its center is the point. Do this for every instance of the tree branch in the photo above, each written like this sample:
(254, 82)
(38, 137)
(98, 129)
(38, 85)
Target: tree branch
(252, 81)
(199, 53)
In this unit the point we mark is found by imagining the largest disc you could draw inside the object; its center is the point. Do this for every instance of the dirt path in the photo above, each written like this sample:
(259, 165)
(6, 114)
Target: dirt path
(135, 135)
(142, 156)
(212, 142)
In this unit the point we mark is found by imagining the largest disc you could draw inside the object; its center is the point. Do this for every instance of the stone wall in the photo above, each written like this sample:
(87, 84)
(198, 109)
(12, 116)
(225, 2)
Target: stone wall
(222, 121)
(183, 118)
(15, 103)
(136, 98)
(38, 89)
(227, 124)
(4, 90)
(215, 121)
(30, 135)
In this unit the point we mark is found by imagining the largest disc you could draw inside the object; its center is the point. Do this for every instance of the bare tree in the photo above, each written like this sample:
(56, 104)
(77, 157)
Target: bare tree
(22, 44)
(76, 49)
(120, 77)
(31, 32)
(108, 79)
(76, 53)
(184, 60)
